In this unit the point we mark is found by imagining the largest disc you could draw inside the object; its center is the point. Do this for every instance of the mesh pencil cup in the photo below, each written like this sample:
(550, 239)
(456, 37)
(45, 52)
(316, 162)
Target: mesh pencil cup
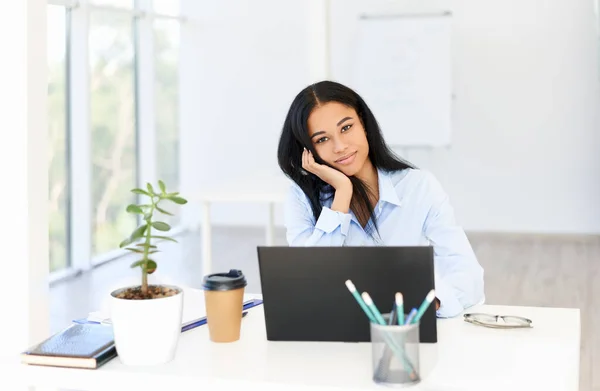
(395, 354)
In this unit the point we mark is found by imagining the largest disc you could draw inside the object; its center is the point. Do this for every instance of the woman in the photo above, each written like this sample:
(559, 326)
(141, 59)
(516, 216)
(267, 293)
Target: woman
(350, 190)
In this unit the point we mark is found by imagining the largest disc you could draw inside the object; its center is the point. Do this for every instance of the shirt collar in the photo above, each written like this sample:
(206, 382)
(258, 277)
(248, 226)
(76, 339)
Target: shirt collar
(387, 190)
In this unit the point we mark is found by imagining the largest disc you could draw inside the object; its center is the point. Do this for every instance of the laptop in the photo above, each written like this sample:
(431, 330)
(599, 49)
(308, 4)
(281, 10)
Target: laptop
(305, 297)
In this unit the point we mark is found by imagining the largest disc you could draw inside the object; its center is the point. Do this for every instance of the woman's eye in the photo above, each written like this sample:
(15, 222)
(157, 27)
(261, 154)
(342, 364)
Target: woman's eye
(346, 127)
(322, 139)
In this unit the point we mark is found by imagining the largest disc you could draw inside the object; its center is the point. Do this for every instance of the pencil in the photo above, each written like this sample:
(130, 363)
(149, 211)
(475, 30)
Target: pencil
(428, 299)
(360, 301)
(400, 308)
(369, 302)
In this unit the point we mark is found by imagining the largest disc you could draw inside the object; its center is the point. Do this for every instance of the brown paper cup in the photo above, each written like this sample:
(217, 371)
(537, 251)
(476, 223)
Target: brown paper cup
(224, 297)
(224, 314)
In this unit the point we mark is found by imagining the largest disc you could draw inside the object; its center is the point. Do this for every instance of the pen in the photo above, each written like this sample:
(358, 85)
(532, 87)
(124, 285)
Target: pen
(200, 322)
(428, 299)
(400, 308)
(411, 316)
(362, 304)
(392, 318)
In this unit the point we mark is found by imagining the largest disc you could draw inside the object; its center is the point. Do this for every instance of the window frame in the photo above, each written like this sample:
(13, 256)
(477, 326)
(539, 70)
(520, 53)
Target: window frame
(79, 215)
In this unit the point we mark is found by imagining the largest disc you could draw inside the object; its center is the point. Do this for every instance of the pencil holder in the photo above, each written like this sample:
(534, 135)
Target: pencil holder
(395, 354)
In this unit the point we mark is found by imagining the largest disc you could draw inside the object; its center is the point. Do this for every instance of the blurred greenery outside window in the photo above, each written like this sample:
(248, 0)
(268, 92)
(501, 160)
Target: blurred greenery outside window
(114, 158)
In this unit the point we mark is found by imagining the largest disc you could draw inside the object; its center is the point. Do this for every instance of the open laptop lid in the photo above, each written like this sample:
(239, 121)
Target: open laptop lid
(306, 298)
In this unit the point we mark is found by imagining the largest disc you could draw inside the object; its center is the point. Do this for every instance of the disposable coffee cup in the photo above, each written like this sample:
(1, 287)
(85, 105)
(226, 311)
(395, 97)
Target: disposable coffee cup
(224, 296)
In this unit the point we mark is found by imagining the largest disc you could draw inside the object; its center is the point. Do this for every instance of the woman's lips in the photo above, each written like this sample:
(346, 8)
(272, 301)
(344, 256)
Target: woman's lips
(346, 160)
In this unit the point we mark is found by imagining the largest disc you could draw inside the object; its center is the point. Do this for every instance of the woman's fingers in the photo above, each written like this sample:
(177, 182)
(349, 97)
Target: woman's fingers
(312, 165)
(308, 161)
(305, 159)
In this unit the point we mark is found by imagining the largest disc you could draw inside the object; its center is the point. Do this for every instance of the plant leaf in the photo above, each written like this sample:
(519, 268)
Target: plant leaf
(177, 200)
(125, 242)
(137, 263)
(135, 250)
(164, 211)
(146, 245)
(139, 232)
(150, 188)
(134, 209)
(164, 238)
(153, 252)
(159, 225)
(172, 194)
(140, 191)
(162, 186)
(151, 266)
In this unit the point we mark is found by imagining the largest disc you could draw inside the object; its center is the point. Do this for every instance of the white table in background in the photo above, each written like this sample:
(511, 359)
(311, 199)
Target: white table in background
(467, 357)
(261, 189)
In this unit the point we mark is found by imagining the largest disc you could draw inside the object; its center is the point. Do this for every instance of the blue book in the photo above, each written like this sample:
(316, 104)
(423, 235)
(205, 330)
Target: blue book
(77, 346)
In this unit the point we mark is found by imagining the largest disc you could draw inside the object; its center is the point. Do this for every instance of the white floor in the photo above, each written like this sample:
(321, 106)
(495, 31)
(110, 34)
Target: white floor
(557, 271)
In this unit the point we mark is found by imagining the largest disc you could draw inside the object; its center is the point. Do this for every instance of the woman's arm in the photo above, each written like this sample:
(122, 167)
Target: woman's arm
(459, 277)
(331, 227)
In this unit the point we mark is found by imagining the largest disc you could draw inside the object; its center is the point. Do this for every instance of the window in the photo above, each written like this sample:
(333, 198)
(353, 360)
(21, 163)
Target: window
(113, 128)
(95, 67)
(166, 47)
(58, 191)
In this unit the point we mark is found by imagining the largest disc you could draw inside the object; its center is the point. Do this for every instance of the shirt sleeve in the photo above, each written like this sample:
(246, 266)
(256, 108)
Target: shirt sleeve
(458, 275)
(330, 229)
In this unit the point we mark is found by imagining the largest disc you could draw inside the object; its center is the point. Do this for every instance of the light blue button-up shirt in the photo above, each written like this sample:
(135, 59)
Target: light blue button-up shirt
(413, 210)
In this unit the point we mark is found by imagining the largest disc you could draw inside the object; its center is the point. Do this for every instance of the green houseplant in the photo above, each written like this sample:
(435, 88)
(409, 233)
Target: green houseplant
(144, 233)
(146, 318)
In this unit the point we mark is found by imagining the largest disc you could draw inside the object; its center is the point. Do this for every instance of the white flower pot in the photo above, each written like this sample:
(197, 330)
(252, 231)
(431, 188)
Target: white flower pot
(146, 331)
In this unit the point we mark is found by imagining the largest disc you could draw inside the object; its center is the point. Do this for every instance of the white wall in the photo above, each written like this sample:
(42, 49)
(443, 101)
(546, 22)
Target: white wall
(243, 63)
(525, 155)
(526, 138)
(24, 172)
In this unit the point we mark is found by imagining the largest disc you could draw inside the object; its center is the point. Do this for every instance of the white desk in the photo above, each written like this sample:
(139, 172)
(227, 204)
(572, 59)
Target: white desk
(468, 358)
(269, 189)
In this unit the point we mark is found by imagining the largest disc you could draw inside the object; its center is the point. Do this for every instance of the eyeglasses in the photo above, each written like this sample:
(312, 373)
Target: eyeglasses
(498, 321)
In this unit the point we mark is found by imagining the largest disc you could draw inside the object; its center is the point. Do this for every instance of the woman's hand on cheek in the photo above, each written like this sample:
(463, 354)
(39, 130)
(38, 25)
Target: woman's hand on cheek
(330, 175)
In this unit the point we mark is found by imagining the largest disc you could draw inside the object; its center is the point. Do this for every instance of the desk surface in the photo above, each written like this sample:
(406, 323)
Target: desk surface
(466, 357)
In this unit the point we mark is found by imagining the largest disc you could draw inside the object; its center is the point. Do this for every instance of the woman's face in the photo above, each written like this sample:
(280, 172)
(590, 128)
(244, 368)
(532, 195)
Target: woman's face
(339, 137)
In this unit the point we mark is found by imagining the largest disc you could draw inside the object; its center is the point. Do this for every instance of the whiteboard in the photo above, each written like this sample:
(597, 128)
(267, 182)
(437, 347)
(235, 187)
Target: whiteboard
(401, 66)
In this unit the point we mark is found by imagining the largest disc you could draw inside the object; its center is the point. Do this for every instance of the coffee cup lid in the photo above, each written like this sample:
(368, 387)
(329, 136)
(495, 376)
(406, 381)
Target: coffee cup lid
(231, 280)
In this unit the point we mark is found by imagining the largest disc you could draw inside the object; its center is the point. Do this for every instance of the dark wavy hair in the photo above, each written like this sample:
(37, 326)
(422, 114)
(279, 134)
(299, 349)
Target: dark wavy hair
(295, 137)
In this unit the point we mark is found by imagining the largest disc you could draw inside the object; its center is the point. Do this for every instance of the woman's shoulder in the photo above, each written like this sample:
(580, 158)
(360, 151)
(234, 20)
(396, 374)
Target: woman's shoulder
(411, 175)
(295, 194)
(411, 181)
(294, 190)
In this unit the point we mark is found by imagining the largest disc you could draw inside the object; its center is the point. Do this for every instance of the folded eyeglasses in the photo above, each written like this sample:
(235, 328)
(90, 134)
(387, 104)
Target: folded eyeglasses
(498, 321)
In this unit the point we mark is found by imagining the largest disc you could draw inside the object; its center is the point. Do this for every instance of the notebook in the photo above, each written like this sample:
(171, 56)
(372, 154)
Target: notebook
(78, 346)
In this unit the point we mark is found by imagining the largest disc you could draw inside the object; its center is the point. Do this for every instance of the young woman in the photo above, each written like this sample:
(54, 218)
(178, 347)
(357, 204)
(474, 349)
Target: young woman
(350, 190)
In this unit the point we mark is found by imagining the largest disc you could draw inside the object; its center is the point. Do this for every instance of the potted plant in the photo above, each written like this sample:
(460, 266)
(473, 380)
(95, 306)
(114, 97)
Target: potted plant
(146, 319)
